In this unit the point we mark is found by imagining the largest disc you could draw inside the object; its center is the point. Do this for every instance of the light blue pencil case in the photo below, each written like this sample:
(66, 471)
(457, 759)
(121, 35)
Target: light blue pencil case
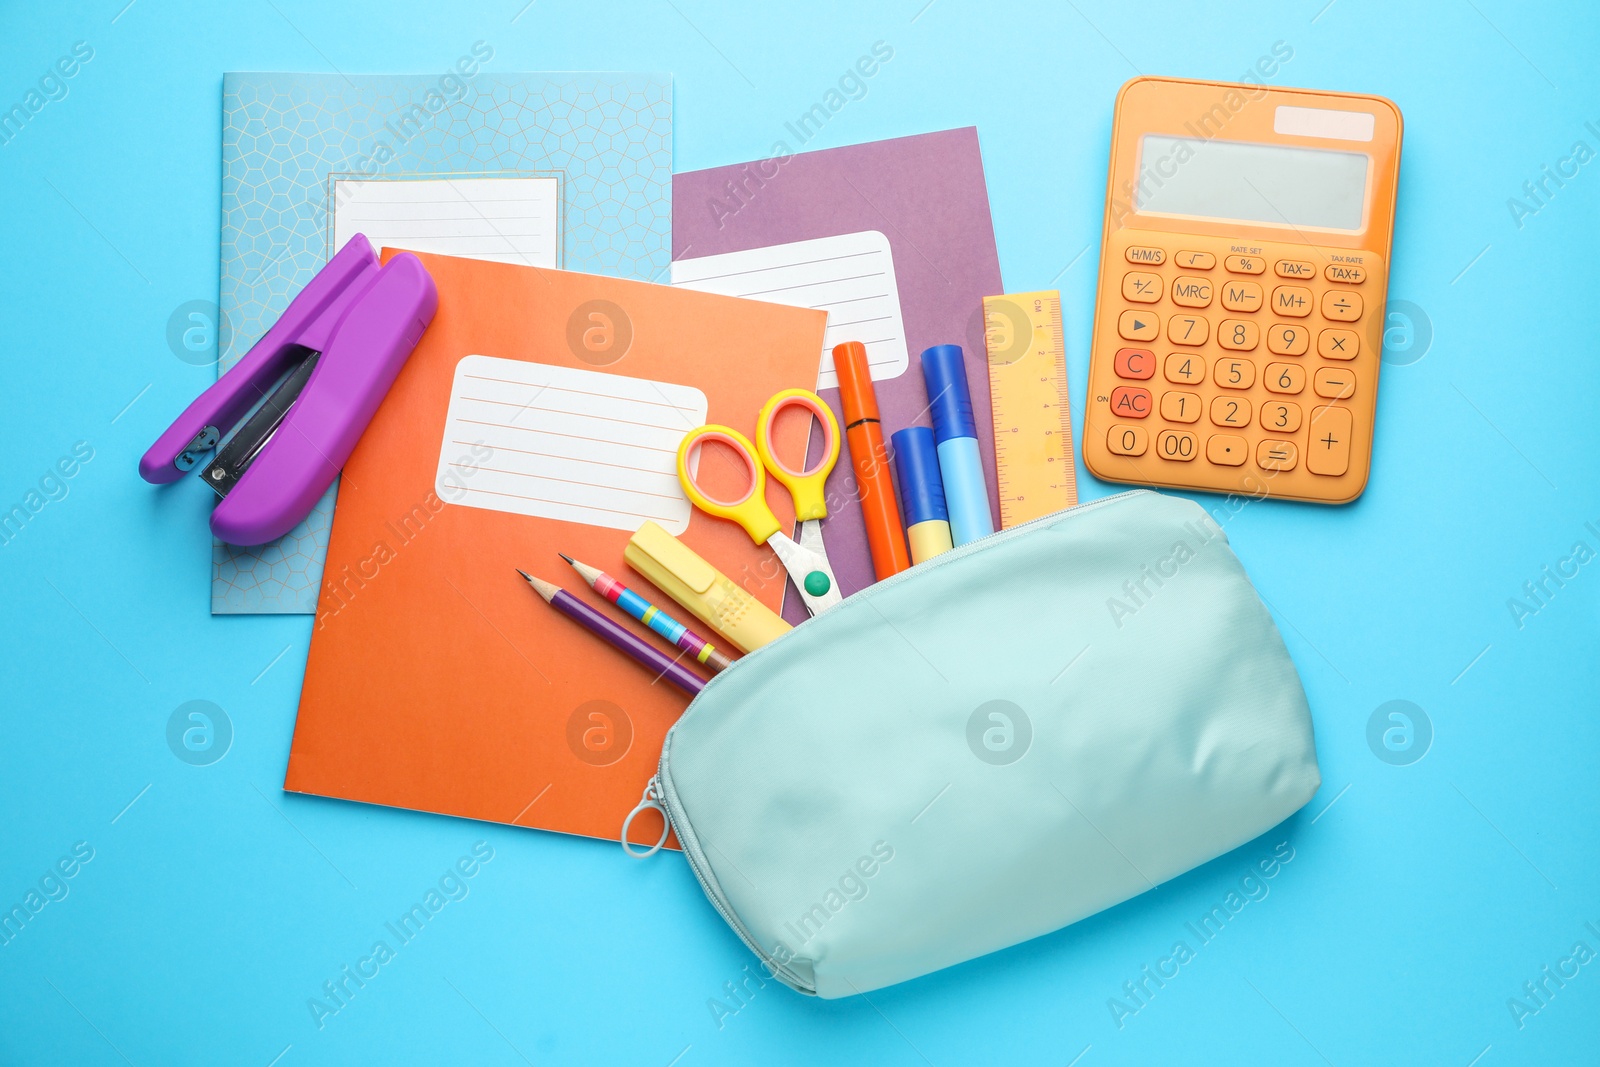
(996, 743)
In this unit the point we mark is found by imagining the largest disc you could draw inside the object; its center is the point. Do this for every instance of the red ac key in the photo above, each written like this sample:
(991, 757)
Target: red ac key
(1135, 364)
(1130, 402)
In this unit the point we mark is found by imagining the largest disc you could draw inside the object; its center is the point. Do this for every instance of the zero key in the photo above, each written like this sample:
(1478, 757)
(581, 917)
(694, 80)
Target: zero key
(1138, 326)
(1328, 443)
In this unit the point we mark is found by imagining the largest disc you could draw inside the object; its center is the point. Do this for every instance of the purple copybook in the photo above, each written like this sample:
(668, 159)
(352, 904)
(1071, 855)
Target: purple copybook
(893, 239)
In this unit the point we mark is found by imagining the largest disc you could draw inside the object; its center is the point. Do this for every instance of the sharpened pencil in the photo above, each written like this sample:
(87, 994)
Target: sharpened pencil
(647, 654)
(702, 651)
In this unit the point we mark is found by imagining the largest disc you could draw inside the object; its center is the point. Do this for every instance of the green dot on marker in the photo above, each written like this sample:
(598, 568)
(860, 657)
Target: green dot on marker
(817, 583)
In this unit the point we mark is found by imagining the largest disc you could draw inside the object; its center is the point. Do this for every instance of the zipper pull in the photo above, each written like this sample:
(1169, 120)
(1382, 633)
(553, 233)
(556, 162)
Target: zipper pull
(651, 799)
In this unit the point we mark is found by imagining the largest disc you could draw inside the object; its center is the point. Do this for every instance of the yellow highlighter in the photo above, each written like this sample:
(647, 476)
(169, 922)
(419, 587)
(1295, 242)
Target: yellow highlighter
(713, 598)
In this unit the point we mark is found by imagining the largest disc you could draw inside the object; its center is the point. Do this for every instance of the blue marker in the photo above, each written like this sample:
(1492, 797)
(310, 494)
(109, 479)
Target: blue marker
(916, 469)
(965, 493)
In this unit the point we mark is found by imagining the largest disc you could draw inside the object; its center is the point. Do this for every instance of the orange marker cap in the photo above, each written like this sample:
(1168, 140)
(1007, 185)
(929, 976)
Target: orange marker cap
(856, 394)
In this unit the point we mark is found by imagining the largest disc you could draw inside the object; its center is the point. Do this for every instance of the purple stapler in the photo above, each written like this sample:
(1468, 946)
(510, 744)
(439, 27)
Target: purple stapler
(341, 344)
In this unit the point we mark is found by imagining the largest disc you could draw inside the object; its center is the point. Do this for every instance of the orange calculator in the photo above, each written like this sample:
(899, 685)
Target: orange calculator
(1239, 323)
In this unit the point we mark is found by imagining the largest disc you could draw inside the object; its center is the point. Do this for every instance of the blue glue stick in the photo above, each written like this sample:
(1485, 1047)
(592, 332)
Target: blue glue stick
(965, 493)
(916, 470)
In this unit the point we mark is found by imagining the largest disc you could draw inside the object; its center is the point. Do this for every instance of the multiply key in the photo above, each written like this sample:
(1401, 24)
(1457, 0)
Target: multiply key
(1338, 344)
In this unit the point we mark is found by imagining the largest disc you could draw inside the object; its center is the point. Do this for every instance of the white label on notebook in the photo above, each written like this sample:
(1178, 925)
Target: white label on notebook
(509, 220)
(851, 277)
(560, 443)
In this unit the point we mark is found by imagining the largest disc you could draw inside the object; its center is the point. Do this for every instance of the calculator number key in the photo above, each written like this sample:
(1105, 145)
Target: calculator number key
(1184, 368)
(1280, 416)
(1328, 450)
(1276, 456)
(1338, 344)
(1226, 450)
(1284, 378)
(1230, 411)
(1335, 383)
(1128, 440)
(1234, 373)
(1240, 335)
(1130, 402)
(1341, 306)
(1139, 326)
(1180, 407)
(1188, 330)
(1180, 446)
(1284, 339)
(1191, 291)
(1292, 301)
(1241, 296)
(1140, 287)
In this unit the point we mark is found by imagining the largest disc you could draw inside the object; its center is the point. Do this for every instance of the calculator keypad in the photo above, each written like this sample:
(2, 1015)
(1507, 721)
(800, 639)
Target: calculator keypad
(1236, 364)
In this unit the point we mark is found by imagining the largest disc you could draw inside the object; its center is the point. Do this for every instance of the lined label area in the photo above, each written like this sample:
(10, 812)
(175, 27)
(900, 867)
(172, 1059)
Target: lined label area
(851, 277)
(559, 443)
(508, 220)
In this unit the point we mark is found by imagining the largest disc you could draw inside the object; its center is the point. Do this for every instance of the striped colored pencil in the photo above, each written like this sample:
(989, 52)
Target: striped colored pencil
(652, 616)
(616, 634)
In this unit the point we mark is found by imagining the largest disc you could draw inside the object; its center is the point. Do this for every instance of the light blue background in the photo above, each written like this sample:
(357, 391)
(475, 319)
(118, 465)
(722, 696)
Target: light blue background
(1420, 897)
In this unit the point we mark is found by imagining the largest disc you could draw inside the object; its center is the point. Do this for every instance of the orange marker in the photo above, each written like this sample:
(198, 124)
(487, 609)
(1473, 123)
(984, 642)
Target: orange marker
(880, 509)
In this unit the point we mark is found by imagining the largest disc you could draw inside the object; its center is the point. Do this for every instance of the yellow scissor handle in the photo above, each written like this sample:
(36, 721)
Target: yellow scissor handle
(806, 486)
(750, 510)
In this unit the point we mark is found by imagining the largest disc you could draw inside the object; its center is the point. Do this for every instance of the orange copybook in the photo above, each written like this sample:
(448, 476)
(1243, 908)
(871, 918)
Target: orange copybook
(540, 413)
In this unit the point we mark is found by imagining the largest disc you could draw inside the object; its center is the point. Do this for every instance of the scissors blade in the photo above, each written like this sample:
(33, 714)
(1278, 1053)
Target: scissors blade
(805, 559)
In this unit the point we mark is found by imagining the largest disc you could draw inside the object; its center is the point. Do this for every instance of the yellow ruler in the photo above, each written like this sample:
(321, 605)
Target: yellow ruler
(1036, 471)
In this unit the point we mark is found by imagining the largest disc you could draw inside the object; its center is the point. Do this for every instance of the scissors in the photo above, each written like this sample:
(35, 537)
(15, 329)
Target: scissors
(805, 560)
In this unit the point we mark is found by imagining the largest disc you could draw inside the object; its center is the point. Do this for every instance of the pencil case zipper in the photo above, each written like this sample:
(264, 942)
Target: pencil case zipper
(660, 794)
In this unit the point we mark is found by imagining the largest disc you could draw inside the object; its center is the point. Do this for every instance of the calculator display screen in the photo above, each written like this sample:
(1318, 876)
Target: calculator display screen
(1277, 185)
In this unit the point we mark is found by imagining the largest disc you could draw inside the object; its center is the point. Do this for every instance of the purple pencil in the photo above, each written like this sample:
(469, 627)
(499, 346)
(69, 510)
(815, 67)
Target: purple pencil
(624, 639)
